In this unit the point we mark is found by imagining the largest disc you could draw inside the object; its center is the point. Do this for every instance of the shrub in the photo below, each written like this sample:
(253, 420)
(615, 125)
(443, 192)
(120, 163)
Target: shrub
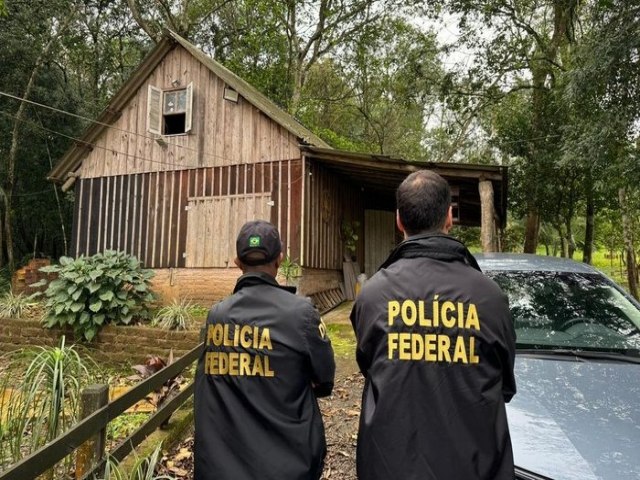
(175, 316)
(19, 306)
(90, 292)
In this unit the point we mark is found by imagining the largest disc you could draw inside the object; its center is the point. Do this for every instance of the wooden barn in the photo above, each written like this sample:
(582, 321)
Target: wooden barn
(187, 151)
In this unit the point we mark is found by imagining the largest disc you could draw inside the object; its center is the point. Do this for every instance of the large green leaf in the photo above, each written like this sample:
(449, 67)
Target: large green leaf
(96, 306)
(106, 296)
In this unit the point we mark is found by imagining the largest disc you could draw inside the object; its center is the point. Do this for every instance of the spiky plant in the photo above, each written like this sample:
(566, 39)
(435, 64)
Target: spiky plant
(143, 469)
(18, 305)
(41, 402)
(175, 316)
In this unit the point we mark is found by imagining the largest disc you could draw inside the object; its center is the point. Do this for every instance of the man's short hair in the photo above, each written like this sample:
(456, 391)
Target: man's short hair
(423, 201)
(258, 243)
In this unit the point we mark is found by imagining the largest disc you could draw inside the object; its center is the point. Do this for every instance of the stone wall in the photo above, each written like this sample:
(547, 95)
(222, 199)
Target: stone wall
(113, 345)
(204, 286)
(207, 286)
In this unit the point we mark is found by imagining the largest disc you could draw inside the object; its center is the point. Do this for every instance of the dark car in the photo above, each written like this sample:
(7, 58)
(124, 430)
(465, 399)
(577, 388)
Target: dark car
(576, 413)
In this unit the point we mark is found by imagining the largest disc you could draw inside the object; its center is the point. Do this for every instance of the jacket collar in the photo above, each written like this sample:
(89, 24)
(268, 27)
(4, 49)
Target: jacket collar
(432, 245)
(259, 278)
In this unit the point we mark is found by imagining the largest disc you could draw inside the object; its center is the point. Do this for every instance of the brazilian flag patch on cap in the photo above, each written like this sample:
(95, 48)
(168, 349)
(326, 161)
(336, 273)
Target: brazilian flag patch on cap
(254, 241)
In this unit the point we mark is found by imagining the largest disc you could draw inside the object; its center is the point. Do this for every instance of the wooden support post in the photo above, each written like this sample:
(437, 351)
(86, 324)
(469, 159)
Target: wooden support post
(93, 398)
(487, 225)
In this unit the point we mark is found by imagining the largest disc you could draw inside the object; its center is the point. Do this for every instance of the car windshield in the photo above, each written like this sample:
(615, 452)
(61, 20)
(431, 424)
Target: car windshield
(569, 310)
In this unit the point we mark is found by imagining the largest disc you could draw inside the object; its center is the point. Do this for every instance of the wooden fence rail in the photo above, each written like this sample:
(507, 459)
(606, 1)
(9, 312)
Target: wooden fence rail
(50, 454)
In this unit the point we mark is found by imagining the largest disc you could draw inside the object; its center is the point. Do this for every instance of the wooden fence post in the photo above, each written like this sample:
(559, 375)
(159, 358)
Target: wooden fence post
(93, 398)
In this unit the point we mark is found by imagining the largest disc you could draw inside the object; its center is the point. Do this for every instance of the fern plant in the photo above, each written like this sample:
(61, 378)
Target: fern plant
(90, 292)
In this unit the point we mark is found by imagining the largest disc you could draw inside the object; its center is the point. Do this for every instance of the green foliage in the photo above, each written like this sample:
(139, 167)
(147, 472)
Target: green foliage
(90, 292)
(143, 469)
(350, 235)
(5, 280)
(175, 316)
(41, 402)
(19, 305)
(342, 339)
(289, 269)
(125, 424)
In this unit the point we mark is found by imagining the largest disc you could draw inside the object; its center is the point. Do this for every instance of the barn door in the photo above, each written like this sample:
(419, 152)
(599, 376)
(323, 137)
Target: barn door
(379, 238)
(213, 224)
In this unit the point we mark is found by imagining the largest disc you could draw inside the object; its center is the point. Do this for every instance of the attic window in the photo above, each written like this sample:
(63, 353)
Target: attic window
(169, 112)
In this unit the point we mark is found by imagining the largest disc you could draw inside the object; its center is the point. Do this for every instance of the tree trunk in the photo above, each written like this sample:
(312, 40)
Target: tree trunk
(487, 228)
(587, 254)
(571, 244)
(632, 273)
(532, 229)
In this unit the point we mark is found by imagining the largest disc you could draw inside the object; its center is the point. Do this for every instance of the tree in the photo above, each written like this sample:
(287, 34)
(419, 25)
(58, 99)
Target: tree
(377, 92)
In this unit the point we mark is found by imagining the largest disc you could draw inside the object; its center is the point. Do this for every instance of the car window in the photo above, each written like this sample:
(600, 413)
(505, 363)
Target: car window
(569, 310)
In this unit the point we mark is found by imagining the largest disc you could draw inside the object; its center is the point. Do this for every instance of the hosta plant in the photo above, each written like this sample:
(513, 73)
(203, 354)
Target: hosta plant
(90, 292)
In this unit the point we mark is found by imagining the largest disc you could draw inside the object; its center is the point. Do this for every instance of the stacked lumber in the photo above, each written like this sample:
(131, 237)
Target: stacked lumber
(327, 299)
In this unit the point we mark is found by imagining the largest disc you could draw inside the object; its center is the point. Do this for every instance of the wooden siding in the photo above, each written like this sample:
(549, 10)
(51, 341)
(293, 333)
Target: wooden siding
(328, 202)
(223, 133)
(146, 214)
(379, 238)
(221, 216)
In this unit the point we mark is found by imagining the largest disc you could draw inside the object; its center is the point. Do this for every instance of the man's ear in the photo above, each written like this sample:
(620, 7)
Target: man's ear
(448, 223)
(399, 222)
(279, 259)
(238, 263)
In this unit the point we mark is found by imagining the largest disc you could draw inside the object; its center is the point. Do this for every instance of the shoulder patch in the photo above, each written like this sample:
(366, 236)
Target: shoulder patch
(323, 329)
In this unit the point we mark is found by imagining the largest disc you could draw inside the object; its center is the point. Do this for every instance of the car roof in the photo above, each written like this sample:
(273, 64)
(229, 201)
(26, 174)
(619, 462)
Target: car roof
(530, 262)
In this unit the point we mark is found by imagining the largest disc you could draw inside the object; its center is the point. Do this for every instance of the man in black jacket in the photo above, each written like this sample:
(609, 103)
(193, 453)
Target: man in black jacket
(436, 345)
(266, 360)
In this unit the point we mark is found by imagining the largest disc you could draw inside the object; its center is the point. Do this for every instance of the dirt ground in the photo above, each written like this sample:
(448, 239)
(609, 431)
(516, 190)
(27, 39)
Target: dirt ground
(340, 411)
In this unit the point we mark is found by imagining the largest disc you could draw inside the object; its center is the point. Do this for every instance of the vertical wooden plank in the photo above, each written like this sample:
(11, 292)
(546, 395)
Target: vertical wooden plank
(93, 237)
(151, 218)
(241, 179)
(183, 218)
(113, 188)
(132, 232)
(295, 206)
(78, 220)
(124, 213)
(288, 217)
(169, 225)
(217, 181)
(77, 193)
(143, 216)
(303, 212)
(283, 226)
(105, 207)
(159, 219)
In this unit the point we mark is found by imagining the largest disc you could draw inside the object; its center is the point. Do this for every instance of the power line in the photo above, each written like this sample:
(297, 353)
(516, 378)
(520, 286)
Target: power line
(92, 145)
(97, 122)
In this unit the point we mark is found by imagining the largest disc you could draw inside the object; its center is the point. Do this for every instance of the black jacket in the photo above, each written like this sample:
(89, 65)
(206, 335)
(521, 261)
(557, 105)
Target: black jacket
(266, 359)
(436, 345)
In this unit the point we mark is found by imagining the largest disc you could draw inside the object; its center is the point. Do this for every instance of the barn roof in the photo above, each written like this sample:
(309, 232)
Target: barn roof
(75, 154)
(380, 175)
